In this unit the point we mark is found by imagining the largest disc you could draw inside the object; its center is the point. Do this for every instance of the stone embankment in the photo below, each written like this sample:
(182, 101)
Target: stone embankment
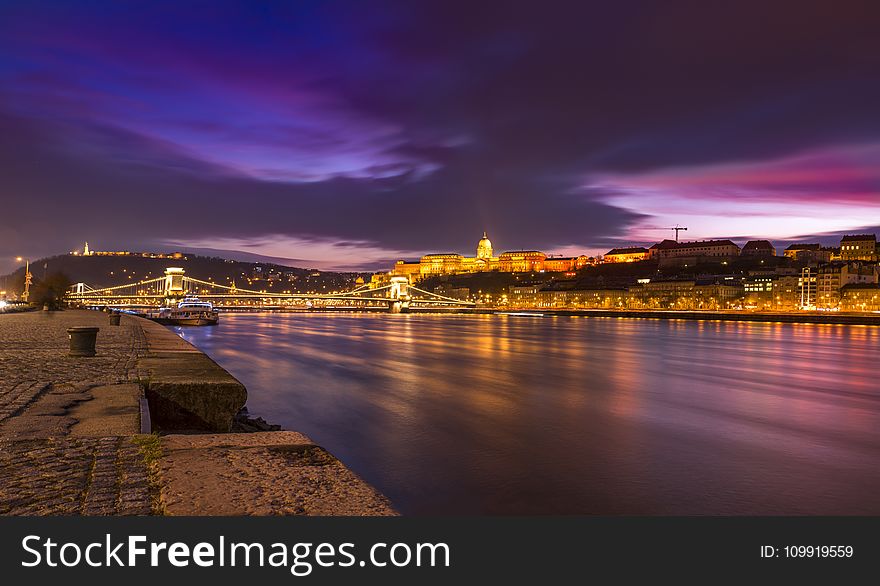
(73, 441)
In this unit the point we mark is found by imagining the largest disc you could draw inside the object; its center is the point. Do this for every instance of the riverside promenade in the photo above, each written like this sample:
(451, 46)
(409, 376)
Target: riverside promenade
(74, 432)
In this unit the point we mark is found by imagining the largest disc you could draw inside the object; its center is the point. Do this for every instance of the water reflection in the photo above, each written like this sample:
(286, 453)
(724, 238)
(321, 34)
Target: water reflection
(507, 415)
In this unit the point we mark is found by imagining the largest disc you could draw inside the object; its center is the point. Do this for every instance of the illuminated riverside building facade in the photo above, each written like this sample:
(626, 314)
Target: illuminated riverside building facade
(833, 277)
(710, 294)
(778, 291)
(860, 297)
(758, 292)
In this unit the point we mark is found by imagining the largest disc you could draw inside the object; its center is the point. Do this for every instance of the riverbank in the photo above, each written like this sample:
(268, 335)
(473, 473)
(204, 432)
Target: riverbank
(776, 317)
(74, 432)
(811, 317)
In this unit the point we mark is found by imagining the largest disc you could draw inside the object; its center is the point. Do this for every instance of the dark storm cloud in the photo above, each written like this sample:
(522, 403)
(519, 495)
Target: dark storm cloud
(127, 188)
(410, 126)
(638, 85)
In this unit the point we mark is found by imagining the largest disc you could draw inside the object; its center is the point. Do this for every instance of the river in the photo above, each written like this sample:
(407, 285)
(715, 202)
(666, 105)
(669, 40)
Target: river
(492, 414)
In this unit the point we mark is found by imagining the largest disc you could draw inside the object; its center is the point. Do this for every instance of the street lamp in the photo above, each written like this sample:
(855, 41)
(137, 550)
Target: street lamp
(27, 278)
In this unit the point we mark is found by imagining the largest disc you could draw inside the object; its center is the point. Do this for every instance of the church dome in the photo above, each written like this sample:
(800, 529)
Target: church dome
(484, 247)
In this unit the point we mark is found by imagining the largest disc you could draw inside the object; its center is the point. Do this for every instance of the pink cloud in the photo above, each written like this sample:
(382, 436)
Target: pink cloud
(833, 189)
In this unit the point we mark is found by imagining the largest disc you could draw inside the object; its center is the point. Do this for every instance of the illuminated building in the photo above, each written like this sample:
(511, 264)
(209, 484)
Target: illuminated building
(534, 297)
(860, 297)
(758, 291)
(405, 268)
(787, 293)
(484, 248)
(563, 264)
(811, 253)
(696, 249)
(662, 248)
(807, 288)
(632, 254)
(86, 251)
(832, 277)
(515, 261)
(521, 261)
(859, 247)
(662, 294)
(758, 248)
(440, 264)
(583, 299)
(718, 294)
(712, 294)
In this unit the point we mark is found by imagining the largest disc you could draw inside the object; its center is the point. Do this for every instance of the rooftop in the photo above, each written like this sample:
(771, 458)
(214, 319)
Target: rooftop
(724, 242)
(758, 245)
(669, 244)
(630, 250)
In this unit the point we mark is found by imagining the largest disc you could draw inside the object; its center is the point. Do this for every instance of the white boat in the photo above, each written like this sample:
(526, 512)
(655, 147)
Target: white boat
(191, 311)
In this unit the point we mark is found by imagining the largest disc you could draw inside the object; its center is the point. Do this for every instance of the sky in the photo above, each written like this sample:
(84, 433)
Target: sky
(349, 134)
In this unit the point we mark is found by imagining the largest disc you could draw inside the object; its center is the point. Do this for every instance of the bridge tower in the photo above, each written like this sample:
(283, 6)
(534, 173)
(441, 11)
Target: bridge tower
(174, 287)
(79, 288)
(399, 295)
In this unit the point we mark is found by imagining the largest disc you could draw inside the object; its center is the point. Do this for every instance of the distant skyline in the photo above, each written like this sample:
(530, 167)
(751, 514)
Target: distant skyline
(348, 134)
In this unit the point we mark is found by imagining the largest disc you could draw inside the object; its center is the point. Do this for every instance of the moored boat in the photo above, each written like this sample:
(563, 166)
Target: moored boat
(191, 311)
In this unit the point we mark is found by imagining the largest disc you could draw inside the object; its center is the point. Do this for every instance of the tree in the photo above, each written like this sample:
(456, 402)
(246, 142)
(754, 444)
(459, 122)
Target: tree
(50, 291)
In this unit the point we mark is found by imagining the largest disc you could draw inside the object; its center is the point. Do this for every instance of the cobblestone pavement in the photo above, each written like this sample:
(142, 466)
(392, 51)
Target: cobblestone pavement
(33, 355)
(73, 476)
(42, 471)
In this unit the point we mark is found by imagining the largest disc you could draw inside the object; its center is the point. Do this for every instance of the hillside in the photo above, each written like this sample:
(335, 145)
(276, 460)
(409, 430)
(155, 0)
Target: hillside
(107, 271)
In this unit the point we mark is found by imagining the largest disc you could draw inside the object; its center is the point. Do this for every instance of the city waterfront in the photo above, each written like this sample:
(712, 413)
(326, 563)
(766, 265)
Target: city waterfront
(494, 414)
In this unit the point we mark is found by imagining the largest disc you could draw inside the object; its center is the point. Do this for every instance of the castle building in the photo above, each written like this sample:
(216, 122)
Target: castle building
(521, 261)
(513, 261)
(631, 254)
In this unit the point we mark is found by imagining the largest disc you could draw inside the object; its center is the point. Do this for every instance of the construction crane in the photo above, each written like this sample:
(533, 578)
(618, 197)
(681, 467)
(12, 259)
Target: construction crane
(677, 229)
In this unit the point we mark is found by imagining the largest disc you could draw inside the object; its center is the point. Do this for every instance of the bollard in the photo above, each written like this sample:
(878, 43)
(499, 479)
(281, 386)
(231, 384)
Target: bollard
(82, 340)
(114, 319)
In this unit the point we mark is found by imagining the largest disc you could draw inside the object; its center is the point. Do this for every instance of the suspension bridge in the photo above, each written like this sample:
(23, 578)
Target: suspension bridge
(397, 296)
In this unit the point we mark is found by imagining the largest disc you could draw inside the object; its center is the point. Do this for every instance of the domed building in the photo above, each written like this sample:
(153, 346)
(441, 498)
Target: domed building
(484, 261)
(484, 247)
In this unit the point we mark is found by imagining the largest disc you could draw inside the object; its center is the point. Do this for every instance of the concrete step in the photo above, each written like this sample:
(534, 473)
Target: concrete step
(268, 473)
